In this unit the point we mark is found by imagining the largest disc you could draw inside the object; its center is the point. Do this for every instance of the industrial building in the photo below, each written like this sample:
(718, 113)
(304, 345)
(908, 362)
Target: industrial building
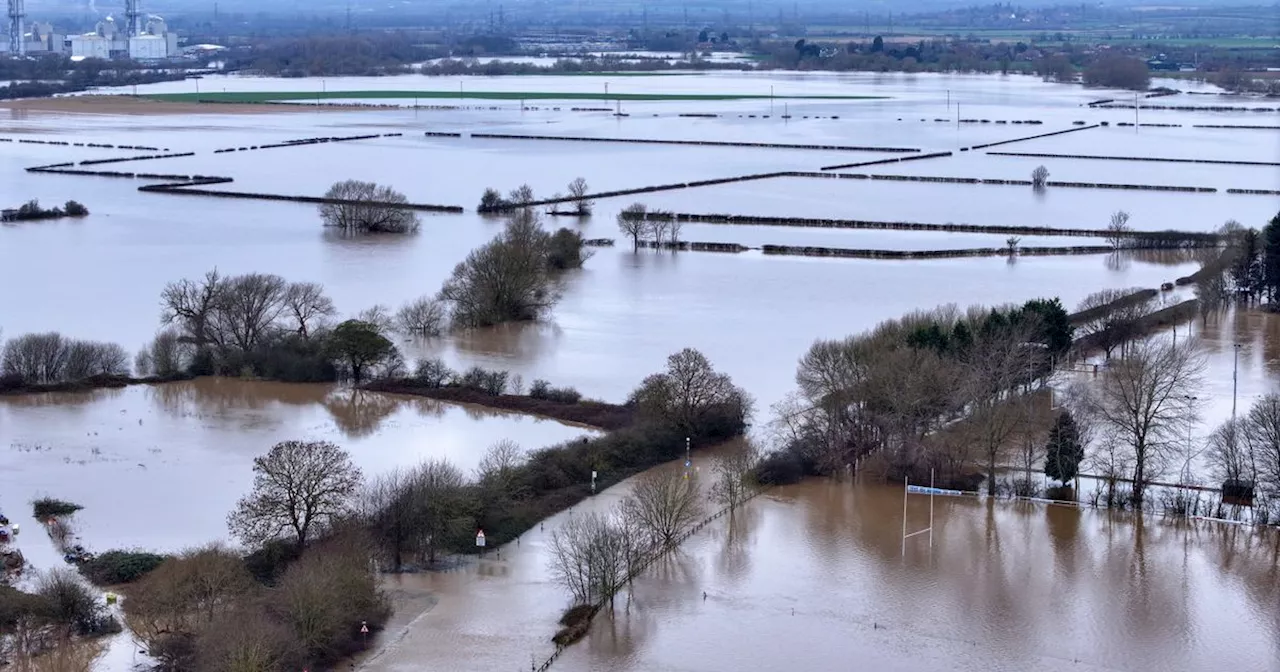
(139, 37)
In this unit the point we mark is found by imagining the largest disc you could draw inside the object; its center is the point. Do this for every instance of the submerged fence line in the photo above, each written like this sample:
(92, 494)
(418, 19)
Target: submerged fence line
(1163, 239)
(1188, 108)
(1155, 159)
(307, 141)
(920, 157)
(507, 207)
(1004, 182)
(869, 253)
(705, 143)
(1030, 137)
(1239, 127)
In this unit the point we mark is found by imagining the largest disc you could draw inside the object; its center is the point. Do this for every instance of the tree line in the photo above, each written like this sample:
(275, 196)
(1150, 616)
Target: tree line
(312, 523)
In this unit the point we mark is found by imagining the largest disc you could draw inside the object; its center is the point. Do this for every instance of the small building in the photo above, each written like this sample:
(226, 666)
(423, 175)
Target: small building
(1237, 492)
(148, 48)
(90, 46)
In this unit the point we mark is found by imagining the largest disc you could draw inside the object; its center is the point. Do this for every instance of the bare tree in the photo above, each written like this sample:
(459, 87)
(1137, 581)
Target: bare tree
(35, 358)
(1262, 432)
(578, 192)
(521, 196)
(689, 392)
(297, 486)
(631, 222)
(674, 226)
(664, 505)
(167, 355)
(1230, 454)
(1143, 399)
(1118, 230)
(1039, 177)
(731, 469)
(498, 468)
(423, 316)
(388, 507)
(365, 207)
(439, 498)
(247, 308)
(380, 317)
(658, 228)
(85, 359)
(192, 304)
(306, 304)
(1111, 327)
(591, 556)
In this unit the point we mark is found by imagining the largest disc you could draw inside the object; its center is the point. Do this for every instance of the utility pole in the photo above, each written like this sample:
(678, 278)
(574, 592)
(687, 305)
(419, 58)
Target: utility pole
(1235, 381)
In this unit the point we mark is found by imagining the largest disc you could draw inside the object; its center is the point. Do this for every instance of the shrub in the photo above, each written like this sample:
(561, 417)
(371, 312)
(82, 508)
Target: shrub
(267, 563)
(116, 567)
(491, 200)
(75, 209)
(781, 467)
(490, 382)
(564, 250)
(16, 605)
(433, 373)
(541, 389)
(48, 507)
(74, 604)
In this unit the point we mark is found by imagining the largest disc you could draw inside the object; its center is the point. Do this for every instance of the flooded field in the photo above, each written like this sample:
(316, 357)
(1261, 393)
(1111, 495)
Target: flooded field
(1007, 588)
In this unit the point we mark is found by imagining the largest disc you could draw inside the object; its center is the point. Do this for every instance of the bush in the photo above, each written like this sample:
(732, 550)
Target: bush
(781, 467)
(541, 389)
(72, 603)
(433, 373)
(491, 200)
(564, 250)
(75, 209)
(490, 382)
(266, 564)
(117, 567)
(48, 507)
(16, 605)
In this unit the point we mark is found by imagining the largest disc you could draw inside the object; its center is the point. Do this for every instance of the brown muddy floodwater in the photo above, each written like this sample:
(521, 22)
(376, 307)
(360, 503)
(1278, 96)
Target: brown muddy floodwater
(812, 577)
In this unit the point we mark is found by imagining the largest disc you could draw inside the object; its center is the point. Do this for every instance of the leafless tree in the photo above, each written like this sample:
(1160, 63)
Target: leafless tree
(192, 305)
(1118, 230)
(1230, 453)
(35, 358)
(439, 499)
(521, 196)
(365, 207)
(87, 358)
(423, 316)
(506, 280)
(658, 228)
(591, 556)
(664, 505)
(247, 309)
(993, 369)
(380, 317)
(731, 470)
(167, 355)
(305, 304)
(674, 227)
(578, 192)
(631, 222)
(1117, 326)
(1142, 400)
(497, 469)
(1039, 177)
(388, 506)
(297, 487)
(689, 391)
(1262, 432)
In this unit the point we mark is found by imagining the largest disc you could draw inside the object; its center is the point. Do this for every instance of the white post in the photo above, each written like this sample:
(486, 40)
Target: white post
(906, 484)
(931, 512)
(1235, 381)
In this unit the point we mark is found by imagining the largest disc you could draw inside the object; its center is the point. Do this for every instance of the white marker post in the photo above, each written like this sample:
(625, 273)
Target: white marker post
(480, 542)
(364, 633)
(593, 481)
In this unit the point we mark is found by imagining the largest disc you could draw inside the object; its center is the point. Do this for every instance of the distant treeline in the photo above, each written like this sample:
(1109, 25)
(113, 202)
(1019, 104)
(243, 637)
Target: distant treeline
(54, 74)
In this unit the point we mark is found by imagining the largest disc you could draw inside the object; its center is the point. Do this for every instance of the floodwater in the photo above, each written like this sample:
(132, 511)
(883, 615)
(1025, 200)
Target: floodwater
(795, 578)
(1006, 588)
(159, 467)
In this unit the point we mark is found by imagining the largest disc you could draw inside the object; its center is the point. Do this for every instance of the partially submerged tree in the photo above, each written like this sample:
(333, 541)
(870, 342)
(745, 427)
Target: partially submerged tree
(578, 192)
(1039, 177)
(1118, 229)
(424, 316)
(1142, 401)
(298, 486)
(306, 305)
(664, 505)
(506, 280)
(631, 222)
(366, 207)
(690, 392)
(591, 554)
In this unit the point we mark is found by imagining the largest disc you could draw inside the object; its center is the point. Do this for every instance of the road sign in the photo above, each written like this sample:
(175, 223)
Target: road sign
(924, 490)
(480, 538)
(364, 627)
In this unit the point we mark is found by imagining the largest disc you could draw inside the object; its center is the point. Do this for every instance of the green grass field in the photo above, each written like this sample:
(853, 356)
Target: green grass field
(281, 96)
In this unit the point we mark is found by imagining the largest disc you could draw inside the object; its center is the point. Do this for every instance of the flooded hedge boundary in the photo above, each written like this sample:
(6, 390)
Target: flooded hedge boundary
(507, 207)
(1004, 182)
(90, 383)
(1239, 127)
(1255, 192)
(95, 145)
(853, 253)
(307, 141)
(1108, 308)
(1188, 108)
(1156, 159)
(877, 162)
(597, 414)
(1030, 137)
(703, 143)
(192, 189)
(123, 159)
(1163, 238)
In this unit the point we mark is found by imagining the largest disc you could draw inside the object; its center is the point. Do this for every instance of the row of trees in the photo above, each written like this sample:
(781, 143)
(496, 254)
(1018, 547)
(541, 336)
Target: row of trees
(50, 358)
(894, 390)
(1247, 449)
(521, 197)
(638, 223)
(1254, 271)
